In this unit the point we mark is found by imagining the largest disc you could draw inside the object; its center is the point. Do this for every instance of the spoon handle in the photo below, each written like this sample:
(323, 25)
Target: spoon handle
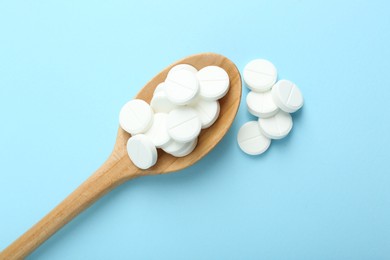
(113, 173)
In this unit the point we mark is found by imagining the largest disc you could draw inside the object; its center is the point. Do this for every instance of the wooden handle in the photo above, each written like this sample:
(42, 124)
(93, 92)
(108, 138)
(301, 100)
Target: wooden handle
(110, 175)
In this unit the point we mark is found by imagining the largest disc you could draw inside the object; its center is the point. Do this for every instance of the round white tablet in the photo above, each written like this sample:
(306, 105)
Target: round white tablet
(136, 117)
(158, 132)
(213, 82)
(251, 140)
(277, 126)
(141, 151)
(208, 112)
(260, 75)
(160, 87)
(184, 124)
(186, 149)
(287, 96)
(184, 67)
(181, 87)
(161, 104)
(261, 104)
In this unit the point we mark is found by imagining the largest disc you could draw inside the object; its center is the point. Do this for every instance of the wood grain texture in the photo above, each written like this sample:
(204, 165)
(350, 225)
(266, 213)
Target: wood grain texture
(118, 168)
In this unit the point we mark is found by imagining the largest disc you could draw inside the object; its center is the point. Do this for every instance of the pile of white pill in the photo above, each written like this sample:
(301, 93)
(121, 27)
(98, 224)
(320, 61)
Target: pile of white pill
(184, 104)
(272, 102)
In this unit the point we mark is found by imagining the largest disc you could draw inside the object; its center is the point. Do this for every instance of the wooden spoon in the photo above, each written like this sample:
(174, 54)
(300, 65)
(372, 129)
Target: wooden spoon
(118, 168)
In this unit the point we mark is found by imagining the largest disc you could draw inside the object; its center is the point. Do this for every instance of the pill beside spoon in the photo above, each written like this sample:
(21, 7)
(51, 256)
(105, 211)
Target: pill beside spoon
(272, 102)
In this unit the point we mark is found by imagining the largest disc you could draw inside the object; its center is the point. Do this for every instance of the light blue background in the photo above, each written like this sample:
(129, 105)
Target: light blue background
(67, 67)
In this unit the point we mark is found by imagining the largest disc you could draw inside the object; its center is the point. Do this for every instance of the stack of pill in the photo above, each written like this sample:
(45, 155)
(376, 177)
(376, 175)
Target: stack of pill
(182, 105)
(270, 101)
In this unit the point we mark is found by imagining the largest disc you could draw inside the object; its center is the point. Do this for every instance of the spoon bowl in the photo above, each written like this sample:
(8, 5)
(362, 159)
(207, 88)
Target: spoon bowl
(118, 168)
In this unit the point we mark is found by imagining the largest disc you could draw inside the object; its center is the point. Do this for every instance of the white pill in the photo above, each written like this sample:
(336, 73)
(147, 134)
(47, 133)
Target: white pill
(136, 117)
(260, 75)
(261, 104)
(184, 67)
(277, 126)
(213, 82)
(251, 140)
(186, 149)
(141, 151)
(181, 87)
(158, 132)
(287, 96)
(184, 124)
(161, 104)
(208, 112)
(160, 87)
